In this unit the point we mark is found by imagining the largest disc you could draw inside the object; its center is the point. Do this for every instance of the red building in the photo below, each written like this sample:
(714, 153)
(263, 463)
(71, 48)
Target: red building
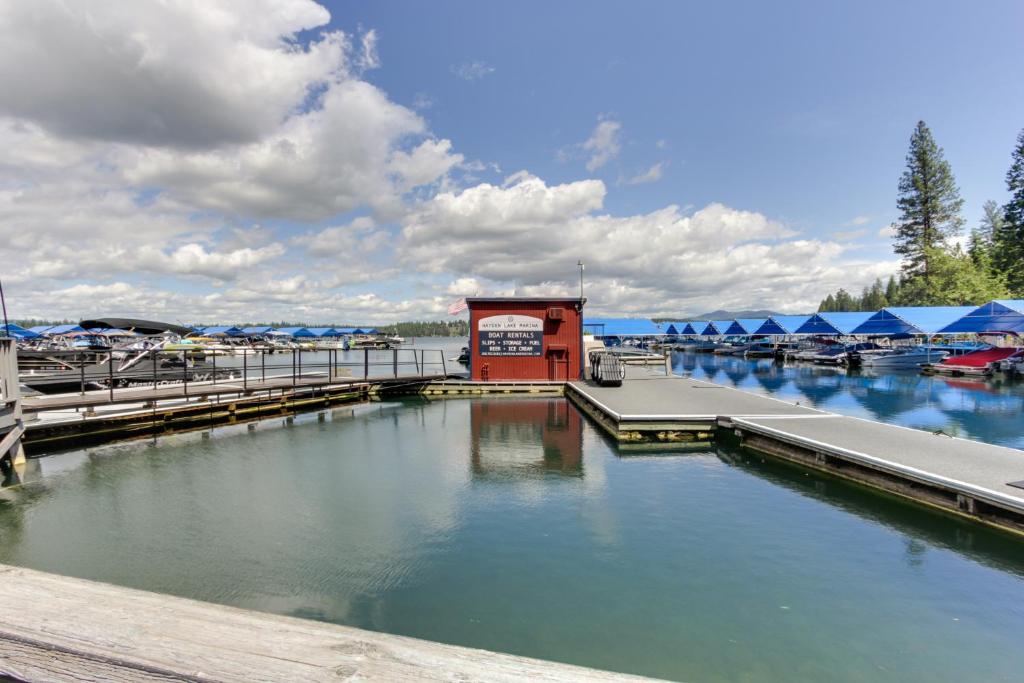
(512, 338)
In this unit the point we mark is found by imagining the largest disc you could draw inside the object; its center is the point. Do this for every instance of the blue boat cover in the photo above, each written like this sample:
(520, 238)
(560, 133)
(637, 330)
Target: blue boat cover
(621, 327)
(833, 323)
(1001, 315)
(260, 329)
(782, 324)
(911, 319)
(17, 331)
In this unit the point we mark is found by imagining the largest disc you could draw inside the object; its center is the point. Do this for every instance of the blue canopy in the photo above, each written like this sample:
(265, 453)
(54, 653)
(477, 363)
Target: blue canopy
(347, 330)
(621, 327)
(295, 331)
(715, 328)
(367, 330)
(912, 319)
(745, 326)
(324, 331)
(56, 329)
(1001, 315)
(781, 324)
(17, 331)
(226, 330)
(692, 327)
(260, 329)
(833, 323)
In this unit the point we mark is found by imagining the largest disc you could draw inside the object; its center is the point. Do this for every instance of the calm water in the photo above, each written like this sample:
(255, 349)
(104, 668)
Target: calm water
(984, 410)
(514, 525)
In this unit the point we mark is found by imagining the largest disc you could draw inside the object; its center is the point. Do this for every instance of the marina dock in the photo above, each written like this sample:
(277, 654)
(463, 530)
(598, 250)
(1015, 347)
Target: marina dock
(978, 480)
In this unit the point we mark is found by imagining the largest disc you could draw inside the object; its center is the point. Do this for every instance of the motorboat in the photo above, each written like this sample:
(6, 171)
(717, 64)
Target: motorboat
(910, 357)
(760, 350)
(978, 363)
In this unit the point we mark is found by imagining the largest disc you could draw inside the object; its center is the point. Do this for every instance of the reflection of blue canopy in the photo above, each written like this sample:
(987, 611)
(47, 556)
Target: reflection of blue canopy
(620, 327)
(295, 331)
(912, 319)
(833, 323)
(1001, 315)
(745, 325)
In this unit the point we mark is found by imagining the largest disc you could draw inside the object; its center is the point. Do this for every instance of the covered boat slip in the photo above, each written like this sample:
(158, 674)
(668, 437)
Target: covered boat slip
(979, 480)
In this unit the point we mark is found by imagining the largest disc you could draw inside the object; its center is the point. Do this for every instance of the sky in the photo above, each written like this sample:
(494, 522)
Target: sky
(369, 162)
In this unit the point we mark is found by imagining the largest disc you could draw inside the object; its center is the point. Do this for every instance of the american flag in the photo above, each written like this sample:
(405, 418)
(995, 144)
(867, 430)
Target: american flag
(458, 307)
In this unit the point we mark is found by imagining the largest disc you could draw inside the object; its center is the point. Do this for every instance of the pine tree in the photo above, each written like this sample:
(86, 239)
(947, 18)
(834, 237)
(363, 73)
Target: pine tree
(1008, 242)
(874, 298)
(892, 292)
(844, 302)
(827, 305)
(929, 203)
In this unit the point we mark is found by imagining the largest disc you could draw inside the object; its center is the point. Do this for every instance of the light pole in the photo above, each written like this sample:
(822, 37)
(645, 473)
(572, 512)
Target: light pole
(580, 264)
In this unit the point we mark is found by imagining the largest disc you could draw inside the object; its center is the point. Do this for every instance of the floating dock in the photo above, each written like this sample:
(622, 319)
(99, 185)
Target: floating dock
(977, 480)
(61, 628)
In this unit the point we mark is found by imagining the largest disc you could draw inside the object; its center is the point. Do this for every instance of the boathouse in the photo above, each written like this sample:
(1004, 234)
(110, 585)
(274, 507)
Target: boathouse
(525, 339)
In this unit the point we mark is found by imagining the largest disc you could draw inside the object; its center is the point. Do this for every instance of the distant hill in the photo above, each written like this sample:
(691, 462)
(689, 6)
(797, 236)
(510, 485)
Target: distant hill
(732, 315)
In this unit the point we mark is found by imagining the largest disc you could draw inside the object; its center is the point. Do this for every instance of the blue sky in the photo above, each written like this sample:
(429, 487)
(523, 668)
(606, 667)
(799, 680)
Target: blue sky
(739, 154)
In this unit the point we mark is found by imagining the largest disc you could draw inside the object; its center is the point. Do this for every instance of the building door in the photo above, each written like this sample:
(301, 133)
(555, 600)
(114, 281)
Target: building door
(558, 364)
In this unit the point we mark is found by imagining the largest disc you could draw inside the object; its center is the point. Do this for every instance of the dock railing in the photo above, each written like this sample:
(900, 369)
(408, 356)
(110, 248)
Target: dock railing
(11, 426)
(110, 371)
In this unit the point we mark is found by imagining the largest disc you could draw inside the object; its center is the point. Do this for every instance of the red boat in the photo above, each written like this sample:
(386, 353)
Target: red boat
(982, 362)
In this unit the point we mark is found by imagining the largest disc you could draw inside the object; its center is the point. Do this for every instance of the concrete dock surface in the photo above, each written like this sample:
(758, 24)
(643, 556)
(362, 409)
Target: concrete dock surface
(979, 480)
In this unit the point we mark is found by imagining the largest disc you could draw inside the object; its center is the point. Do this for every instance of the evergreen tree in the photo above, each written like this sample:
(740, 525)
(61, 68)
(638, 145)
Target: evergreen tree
(844, 302)
(929, 202)
(1008, 247)
(892, 292)
(979, 246)
(955, 281)
(827, 305)
(874, 298)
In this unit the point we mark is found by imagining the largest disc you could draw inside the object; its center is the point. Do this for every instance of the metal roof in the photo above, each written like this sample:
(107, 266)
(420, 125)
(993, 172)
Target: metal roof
(259, 329)
(226, 330)
(834, 323)
(912, 319)
(324, 331)
(1000, 315)
(295, 331)
(745, 325)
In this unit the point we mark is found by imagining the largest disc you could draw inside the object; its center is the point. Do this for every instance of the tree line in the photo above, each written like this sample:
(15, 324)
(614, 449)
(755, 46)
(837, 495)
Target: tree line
(437, 328)
(936, 270)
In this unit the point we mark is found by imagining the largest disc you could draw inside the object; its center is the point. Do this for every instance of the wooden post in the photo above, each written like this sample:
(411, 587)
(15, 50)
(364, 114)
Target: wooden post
(366, 364)
(245, 370)
(110, 373)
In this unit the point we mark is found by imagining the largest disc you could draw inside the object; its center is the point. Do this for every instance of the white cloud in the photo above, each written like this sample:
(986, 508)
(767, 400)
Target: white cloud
(603, 144)
(530, 235)
(368, 57)
(857, 220)
(651, 175)
(181, 74)
(887, 231)
(423, 101)
(472, 71)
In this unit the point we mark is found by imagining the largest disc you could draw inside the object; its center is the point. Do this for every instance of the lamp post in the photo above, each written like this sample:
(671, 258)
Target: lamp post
(580, 264)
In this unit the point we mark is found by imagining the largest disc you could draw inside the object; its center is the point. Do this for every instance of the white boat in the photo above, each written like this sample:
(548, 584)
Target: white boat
(903, 358)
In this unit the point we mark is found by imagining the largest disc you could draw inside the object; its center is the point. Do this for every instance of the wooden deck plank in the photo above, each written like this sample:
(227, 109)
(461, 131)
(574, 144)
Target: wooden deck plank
(58, 628)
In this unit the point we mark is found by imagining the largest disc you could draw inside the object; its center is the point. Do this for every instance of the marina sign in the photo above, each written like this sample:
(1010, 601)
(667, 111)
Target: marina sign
(510, 335)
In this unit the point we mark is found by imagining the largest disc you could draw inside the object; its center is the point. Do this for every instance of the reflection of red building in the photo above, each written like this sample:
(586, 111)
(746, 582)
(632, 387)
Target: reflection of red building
(523, 435)
(525, 339)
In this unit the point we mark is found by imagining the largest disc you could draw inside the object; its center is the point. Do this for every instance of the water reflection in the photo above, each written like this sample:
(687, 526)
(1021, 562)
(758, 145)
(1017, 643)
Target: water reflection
(523, 436)
(984, 410)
